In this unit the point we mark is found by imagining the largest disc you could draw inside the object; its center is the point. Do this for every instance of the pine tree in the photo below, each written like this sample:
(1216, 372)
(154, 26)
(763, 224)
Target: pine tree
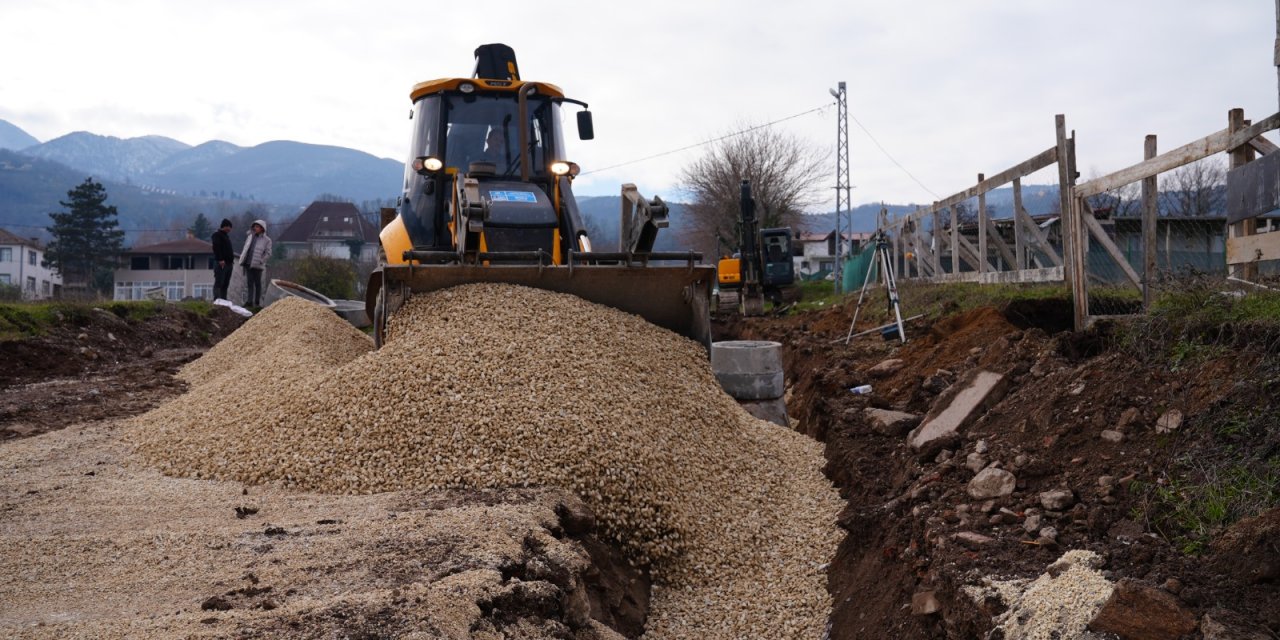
(201, 228)
(87, 239)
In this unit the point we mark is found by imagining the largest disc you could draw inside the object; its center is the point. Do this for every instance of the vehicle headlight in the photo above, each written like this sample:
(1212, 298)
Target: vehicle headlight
(561, 167)
(427, 164)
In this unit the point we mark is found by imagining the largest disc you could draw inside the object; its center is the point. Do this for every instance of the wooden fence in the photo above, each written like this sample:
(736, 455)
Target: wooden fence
(929, 244)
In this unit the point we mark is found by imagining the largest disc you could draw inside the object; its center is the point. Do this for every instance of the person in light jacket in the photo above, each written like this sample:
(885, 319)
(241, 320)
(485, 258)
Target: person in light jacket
(253, 259)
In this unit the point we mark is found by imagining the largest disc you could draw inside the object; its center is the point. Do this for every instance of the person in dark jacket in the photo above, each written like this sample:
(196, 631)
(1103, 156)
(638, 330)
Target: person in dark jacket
(224, 260)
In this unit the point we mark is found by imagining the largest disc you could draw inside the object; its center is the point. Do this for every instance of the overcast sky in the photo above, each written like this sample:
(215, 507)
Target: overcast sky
(949, 88)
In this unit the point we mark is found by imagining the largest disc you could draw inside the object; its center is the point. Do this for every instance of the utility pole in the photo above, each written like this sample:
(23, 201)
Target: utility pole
(842, 175)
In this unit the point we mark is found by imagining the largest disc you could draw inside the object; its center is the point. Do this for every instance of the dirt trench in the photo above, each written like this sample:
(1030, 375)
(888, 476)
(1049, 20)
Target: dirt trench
(905, 507)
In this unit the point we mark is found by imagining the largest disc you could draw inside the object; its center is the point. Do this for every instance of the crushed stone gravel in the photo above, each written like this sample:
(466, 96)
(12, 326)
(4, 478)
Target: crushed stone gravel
(497, 386)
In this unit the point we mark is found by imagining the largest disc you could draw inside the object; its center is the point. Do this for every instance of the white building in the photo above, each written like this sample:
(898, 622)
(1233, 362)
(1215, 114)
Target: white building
(22, 265)
(816, 252)
(178, 269)
(329, 229)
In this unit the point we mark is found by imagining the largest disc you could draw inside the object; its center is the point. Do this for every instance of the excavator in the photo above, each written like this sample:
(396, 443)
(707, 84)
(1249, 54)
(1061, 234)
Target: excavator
(488, 197)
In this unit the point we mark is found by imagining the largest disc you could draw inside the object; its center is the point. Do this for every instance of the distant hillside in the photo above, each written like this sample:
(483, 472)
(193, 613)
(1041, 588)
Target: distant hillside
(108, 157)
(13, 138)
(31, 188)
(282, 172)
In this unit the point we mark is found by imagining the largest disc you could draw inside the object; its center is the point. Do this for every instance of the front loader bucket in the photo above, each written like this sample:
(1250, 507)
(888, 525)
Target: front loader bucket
(673, 297)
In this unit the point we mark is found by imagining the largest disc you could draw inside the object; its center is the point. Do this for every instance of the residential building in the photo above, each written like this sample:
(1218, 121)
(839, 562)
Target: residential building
(330, 229)
(815, 253)
(178, 269)
(22, 265)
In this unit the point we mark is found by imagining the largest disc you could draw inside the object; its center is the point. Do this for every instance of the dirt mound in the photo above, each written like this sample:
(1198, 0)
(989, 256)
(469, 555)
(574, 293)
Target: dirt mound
(474, 390)
(1093, 431)
(93, 363)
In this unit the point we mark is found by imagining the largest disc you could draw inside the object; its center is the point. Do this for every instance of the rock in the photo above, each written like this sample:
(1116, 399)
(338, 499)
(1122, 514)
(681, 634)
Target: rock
(1129, 417)
(991, 483)
(1173, 585)
(891, 423)
(925, 603)
(1057, 499)
(1169, 421)
(886, 368)
(111, 336)
(1222, 625)
(1049, 533)
(1111, 435)
(1106, 482)
(973, 540)
(1077, 390)
(953, 411)
(215, 603)
(83, 336)
(975, 462)
(981, 447)
(936, 383)
(1032, 523)
(1139, 612)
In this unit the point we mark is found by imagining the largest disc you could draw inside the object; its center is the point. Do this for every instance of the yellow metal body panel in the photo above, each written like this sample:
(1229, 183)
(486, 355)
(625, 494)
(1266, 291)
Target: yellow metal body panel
(395, 240)
(451, 84)
(729, 271)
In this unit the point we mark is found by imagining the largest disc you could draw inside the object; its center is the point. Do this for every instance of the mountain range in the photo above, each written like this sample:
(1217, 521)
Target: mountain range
(159, 184)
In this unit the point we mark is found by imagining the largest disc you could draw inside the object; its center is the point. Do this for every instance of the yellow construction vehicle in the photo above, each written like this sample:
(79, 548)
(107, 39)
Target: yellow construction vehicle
(488, 198)
(761, 268)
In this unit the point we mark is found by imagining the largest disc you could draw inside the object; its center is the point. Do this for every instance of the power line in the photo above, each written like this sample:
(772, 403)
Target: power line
(703, 144)
(891, 158)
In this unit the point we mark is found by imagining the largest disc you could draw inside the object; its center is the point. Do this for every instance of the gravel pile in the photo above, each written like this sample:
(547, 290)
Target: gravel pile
(1058, 604)
(495, 385)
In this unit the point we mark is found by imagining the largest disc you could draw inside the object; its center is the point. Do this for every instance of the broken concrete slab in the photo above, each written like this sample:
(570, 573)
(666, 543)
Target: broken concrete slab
(961, 404)
(891, 423)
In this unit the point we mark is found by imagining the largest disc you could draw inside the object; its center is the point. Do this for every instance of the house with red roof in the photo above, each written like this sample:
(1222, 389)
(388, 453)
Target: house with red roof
(330, 229)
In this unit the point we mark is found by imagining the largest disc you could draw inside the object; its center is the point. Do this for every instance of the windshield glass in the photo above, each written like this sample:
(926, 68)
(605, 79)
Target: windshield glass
(483, 128)
(426, 128)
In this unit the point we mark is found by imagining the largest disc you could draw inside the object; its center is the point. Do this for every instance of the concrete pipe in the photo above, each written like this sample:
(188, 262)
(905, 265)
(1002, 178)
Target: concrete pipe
(352, 311)
(774, 410)
(283, 288)
(749, 369)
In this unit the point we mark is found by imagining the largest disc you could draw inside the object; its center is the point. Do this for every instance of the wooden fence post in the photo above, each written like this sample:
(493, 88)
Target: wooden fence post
(1149, 221)
(1019, 242)
(1074, 271)
(982, 228)
(1238, 158)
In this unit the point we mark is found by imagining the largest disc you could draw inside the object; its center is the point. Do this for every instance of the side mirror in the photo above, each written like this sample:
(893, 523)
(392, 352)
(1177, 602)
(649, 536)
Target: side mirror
(586, 130)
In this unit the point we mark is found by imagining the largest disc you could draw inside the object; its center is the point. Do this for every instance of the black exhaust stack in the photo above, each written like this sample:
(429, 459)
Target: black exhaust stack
(496, 62)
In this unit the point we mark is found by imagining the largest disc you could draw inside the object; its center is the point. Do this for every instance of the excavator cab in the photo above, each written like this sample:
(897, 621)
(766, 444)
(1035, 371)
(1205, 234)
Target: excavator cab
(488, 197)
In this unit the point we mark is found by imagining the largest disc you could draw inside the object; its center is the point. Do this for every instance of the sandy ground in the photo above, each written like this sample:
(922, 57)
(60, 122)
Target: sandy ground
(96, 545)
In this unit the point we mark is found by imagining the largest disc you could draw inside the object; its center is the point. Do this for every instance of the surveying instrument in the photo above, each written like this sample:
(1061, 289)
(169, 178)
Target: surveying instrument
(884, 263)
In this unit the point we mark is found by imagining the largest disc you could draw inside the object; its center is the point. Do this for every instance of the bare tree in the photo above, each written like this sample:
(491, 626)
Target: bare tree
(1124, 201)
(785, 174)
(1196, 189)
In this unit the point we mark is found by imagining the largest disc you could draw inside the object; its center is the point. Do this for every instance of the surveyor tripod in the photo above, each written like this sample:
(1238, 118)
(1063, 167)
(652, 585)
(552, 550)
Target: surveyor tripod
(884, 262)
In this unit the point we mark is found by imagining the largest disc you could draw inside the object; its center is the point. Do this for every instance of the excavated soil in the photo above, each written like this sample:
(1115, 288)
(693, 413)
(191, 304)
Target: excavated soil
(96, 365)
(905, 507)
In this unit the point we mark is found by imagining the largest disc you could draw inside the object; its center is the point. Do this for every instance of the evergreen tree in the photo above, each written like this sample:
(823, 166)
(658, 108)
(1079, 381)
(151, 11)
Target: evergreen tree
(87, 239)
(201, 228)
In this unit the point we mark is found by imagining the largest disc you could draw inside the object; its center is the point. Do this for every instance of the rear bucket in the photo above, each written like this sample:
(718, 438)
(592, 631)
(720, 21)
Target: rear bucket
(673, 297)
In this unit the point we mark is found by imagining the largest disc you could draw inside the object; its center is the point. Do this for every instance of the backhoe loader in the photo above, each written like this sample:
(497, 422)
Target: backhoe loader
(488, 197)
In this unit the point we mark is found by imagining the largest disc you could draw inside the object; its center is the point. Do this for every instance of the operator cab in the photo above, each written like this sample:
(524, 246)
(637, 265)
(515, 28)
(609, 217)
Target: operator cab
(505, 135)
